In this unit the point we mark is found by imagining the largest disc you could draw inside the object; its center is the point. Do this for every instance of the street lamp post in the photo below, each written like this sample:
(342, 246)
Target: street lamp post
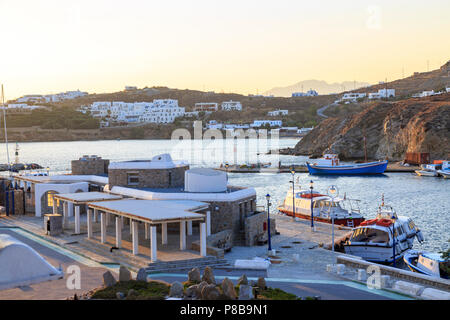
(393, 240)
(311, 186)
(268, 222)
(48, 171)
(333, 192)
(293, 193)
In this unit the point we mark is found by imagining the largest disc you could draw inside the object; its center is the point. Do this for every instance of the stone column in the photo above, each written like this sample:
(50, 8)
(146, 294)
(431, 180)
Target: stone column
(95, 215)
(55, 208)
(89, 223)
(135, 237)
(189, 228)
(103, 227)
(208, 223)
(77, 220)
(70, 204)
(183, 235)
(203, 239)
(65, 214)
(146, 231)
(118, 232)
(164, 233)
(153, 244)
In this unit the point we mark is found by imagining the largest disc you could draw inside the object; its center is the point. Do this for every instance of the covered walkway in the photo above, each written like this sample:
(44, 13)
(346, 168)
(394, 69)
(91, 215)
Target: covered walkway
(150, 213)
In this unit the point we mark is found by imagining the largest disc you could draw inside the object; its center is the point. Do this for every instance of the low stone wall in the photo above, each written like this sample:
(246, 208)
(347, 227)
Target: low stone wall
(256, 229)
(356, 263)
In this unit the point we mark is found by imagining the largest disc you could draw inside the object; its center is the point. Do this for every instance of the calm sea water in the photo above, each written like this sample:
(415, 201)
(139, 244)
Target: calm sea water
(425, 199)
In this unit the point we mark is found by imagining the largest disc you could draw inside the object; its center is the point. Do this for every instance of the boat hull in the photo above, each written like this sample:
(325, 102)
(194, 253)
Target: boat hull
(357, 169)
(342, 222)
(379, 254)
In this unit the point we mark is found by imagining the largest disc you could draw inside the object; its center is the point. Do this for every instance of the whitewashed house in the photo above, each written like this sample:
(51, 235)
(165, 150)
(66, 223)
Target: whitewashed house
(206, 106)
(231, 105)
(278, 113)
(382, 94)
(309, 93)
(271, 123)
(353, 96)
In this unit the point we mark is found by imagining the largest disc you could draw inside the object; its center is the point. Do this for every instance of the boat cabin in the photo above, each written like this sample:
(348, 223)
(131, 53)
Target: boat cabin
(327, 160)
(434, 264)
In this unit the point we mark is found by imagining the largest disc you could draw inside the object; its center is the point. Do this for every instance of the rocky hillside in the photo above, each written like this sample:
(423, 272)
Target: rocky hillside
(391, 130)
(419, 81)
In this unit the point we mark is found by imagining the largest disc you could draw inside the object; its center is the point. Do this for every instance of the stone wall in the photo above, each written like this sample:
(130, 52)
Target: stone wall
(231, 216)
(256, 229)
(149, 178)
(90, 166)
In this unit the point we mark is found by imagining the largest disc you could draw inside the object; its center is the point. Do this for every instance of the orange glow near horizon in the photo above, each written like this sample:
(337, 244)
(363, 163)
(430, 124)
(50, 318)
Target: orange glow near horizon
(245, 47)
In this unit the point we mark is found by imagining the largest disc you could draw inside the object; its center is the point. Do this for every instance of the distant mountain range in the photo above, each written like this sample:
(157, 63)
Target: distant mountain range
(322, 87)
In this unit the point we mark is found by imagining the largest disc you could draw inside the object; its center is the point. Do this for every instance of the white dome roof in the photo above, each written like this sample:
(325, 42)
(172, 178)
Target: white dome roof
(205, 180)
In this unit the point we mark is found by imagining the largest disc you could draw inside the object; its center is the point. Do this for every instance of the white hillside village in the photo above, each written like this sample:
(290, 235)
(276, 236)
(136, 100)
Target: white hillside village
(158, 111)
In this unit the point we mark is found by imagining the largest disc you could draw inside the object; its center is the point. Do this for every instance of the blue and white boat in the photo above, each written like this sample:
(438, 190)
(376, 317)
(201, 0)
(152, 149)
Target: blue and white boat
(431, 264)
(329, 165)
(374, 240)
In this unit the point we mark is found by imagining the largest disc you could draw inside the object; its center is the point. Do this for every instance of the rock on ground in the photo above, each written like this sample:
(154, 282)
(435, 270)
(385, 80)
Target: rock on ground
(242, 280)
(176, 290)
(228, 289)
(194, 292)
(208, 276)
(210, 292)
(245, 292)
(261, 283)
(108, 279)
(124, 274)
(194, 276)
(141, 275)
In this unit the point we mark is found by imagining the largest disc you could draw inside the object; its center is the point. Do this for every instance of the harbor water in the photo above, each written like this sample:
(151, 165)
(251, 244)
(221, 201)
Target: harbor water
(425, 199)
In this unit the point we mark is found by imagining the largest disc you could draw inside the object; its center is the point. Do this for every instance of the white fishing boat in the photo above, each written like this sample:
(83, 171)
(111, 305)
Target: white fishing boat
(376, 239)
(345, 211)
(429, 170)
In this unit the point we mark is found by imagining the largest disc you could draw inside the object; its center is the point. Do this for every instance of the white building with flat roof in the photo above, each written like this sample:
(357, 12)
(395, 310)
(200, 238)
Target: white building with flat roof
(309, 93)
(231, 105)
(353, 96)
(158, 111)
(206, 106)
(271, 123)
(278, 113)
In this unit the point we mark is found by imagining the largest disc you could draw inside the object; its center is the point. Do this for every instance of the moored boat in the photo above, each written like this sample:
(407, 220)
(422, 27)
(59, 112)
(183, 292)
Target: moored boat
(429, 170)
(431, 264)
(445, 170)
(329, 165)
(374, 239)
(345, 211)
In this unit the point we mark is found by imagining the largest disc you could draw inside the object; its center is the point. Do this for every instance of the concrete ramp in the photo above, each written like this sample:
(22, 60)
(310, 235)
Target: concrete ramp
(21, 265)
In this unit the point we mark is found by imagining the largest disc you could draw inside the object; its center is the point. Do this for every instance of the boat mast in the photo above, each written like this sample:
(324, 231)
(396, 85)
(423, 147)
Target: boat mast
(6, 133)
(365, 145)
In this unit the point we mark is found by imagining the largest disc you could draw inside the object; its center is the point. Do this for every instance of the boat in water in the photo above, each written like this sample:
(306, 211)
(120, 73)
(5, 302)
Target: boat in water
(431, 264)
(374, 239)
(445, 170)
(429, 170)
(329, 165)
(345, 211)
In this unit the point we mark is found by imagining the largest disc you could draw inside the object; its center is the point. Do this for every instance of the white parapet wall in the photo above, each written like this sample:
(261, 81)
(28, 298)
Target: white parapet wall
(406, 276)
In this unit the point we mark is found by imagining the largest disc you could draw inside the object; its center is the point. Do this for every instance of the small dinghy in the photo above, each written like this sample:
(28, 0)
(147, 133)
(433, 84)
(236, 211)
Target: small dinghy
(431, 264)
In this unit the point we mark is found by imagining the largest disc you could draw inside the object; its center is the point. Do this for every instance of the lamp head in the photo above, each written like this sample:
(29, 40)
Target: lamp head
(311, 185)
(268, 197)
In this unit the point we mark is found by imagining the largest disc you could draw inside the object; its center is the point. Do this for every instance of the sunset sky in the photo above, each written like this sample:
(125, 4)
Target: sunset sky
(244, 46)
